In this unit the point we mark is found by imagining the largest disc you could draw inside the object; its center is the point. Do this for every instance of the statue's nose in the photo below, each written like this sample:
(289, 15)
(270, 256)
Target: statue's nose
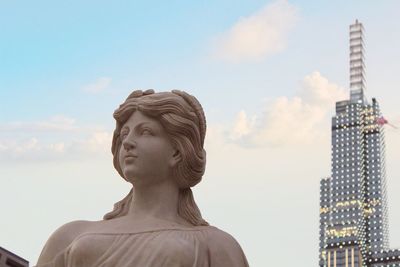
(128, 145)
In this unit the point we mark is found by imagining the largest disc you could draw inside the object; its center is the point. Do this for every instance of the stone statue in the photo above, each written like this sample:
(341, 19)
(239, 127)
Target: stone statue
(158, 148)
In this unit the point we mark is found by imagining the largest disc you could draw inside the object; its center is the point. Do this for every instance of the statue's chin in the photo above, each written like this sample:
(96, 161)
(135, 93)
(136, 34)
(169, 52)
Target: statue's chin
(137, 181)
(130, 176)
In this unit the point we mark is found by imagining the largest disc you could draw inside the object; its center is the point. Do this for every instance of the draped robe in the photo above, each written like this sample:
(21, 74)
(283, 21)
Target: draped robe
(198, 246)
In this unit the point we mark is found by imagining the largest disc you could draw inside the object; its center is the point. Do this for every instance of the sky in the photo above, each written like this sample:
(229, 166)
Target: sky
(266, 72)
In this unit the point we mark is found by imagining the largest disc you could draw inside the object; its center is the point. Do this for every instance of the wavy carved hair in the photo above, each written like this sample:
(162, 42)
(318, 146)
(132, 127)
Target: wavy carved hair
(183, 119)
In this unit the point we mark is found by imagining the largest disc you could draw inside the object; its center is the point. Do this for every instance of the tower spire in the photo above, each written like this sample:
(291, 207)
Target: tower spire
(357, 74)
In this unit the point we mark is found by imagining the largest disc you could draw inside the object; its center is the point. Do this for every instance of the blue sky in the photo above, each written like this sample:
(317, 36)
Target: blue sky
(267, 73)
(50, 50)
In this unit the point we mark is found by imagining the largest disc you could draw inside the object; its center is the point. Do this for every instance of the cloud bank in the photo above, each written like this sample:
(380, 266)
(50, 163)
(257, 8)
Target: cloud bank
(54, 124)
(285, 121)
(259, 35)
(298, 120)
(59, 137)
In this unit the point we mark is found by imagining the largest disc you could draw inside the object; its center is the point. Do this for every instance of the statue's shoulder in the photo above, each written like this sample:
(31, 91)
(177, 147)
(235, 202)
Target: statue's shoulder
(224, 249)
(220, 237)
(62, 238)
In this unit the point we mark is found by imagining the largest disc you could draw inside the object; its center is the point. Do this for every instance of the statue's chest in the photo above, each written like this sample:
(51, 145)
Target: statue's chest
(123, 250)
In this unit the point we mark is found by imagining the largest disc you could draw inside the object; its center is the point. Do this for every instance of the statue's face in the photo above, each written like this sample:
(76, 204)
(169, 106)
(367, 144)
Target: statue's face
(146, 155)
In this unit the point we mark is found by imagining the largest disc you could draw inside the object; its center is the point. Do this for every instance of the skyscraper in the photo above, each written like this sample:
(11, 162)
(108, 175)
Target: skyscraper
(353, 203)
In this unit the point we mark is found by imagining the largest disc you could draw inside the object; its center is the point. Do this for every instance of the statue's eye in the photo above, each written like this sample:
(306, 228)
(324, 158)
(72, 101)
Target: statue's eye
(123, 134)
(146, 131)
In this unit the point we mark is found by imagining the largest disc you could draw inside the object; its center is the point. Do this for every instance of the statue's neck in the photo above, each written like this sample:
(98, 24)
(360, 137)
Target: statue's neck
(156, 201)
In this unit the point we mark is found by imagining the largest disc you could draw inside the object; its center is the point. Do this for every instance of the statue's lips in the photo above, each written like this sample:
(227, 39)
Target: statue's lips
(130, 157)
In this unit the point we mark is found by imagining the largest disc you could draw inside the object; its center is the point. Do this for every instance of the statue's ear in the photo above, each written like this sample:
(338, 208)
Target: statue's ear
(176, 158)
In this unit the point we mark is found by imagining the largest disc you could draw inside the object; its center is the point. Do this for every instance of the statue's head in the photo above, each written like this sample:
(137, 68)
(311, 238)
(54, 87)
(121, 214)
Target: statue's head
(182, 117)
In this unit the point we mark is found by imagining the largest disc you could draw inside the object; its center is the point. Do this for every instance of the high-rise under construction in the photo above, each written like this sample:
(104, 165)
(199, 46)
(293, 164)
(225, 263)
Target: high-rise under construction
(353, 203)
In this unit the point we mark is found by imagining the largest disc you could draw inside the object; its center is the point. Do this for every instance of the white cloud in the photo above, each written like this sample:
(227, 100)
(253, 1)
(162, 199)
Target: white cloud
(101, 84)
(242, 126)
(31, 144)
(318, 91)
(261, 34)
(97, 144)
(299, 120)
(58, 147)
(55, 138)
(30, 148)
(289, 121)
(56, 123)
